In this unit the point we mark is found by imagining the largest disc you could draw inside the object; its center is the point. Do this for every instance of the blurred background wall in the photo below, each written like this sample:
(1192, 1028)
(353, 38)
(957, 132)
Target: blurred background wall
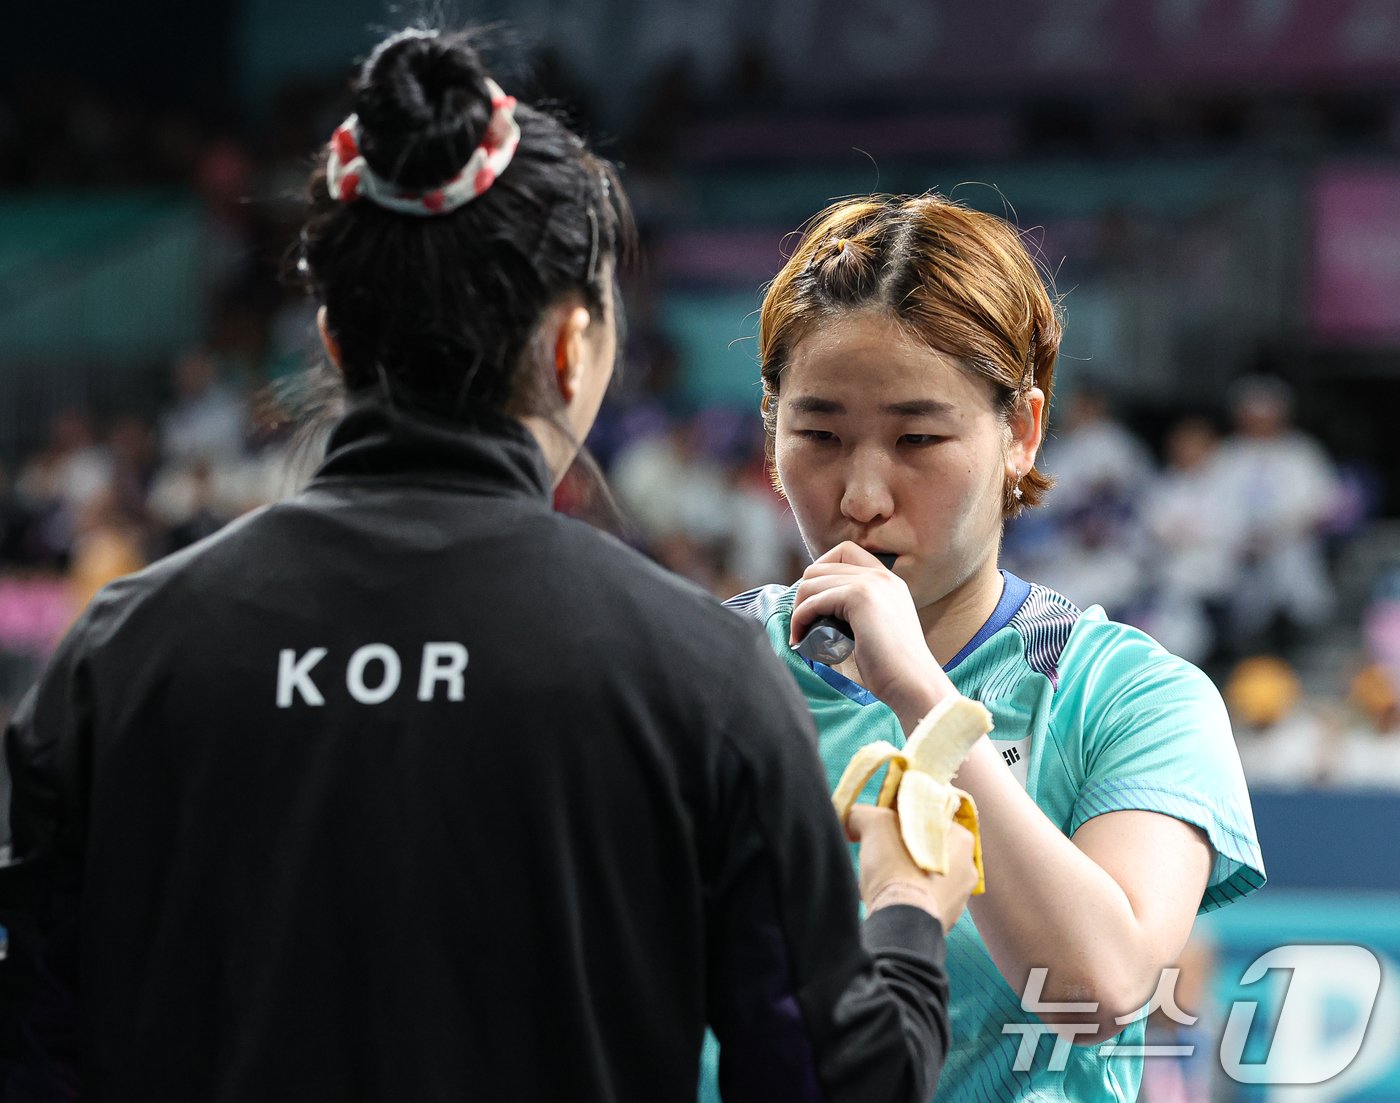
(1212, 185)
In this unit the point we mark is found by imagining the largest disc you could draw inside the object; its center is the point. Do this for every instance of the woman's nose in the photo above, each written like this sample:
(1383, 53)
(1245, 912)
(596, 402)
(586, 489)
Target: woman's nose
(867, 495)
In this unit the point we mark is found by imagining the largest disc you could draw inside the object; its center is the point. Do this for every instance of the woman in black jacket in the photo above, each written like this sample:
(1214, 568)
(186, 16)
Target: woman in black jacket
(410, 788)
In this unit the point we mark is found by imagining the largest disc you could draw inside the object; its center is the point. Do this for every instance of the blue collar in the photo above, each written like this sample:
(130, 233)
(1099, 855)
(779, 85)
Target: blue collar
(1014, 592)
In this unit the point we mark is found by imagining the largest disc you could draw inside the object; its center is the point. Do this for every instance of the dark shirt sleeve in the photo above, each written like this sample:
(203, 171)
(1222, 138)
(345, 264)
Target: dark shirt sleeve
(46, 748)
(806, 1002)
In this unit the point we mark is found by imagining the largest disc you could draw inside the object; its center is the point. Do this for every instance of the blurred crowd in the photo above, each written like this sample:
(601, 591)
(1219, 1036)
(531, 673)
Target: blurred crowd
(99, 501)
(1219, 530)
(1228, 553)
(1224, 550)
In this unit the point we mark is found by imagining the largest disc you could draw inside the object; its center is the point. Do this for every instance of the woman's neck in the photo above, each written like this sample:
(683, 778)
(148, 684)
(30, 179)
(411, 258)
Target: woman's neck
(950, 622)
(559, 451)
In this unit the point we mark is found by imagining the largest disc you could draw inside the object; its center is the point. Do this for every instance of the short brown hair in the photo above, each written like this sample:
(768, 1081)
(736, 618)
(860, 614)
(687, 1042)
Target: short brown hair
(958, 280)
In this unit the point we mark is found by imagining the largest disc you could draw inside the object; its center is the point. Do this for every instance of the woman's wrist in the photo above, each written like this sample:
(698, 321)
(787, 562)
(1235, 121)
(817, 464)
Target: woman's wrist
(912, 706)
(903, 892)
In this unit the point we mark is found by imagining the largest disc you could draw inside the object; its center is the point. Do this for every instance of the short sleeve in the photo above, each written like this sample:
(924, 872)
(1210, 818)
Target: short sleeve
(1157, 738)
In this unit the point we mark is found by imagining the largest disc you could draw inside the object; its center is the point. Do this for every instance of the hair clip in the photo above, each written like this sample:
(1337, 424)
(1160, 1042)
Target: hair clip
(593, 244)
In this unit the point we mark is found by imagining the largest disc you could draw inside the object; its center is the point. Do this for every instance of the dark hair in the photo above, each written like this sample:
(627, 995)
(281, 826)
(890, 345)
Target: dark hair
(958, 280)
(437, 311)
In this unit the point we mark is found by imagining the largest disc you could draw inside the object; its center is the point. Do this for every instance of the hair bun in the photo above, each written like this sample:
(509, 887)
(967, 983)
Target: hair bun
(846, 267)
(423, 107)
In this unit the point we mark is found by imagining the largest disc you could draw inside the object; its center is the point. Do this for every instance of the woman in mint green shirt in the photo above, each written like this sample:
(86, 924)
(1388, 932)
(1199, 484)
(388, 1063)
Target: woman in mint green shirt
(908, 349)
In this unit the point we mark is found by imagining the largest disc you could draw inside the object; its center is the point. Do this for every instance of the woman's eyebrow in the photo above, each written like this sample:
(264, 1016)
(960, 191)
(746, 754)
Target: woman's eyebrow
(812, 405)
(923, 407)
(920, 407)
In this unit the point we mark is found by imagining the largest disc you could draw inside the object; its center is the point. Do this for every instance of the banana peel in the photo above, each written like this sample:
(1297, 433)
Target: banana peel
(919, 782)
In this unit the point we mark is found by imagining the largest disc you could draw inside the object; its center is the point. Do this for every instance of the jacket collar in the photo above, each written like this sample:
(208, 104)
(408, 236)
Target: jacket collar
(491, 453)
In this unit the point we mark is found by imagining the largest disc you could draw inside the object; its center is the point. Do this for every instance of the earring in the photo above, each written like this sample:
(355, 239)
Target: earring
(1016, 490)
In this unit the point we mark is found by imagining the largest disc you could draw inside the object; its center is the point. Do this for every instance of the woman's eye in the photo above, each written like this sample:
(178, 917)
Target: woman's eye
(917, 439)
(817, 436)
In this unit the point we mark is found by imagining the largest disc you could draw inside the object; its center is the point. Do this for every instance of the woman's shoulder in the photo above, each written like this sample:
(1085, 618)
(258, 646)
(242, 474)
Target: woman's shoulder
(1079, 649)
(1110, 663)
(1099, 639)
(762, 603)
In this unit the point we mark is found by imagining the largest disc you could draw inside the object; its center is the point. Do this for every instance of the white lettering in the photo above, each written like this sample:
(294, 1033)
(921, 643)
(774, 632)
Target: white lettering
(1305, 1051)
(355, 673)
(1031, 1033)
(442, 662)
(294, 676)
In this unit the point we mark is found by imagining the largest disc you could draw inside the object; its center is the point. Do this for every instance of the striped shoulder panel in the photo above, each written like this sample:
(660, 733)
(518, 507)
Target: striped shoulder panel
(1044, 622)
(760, 603)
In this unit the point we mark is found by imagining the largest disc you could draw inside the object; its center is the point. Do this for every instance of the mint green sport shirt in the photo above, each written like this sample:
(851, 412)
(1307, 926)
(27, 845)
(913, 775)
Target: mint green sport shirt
(1091, 716)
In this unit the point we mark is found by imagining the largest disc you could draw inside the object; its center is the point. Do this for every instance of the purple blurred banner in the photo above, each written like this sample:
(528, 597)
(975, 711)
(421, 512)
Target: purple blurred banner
(1028, 42)
(34, 613)
(1355, 277)
(839, 51)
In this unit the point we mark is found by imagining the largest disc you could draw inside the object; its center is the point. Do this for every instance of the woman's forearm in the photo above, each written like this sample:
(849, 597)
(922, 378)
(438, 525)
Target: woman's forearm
(1049, 905)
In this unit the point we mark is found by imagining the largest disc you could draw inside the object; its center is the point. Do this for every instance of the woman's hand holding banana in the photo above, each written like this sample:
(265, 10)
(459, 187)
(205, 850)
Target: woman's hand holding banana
(919, 783)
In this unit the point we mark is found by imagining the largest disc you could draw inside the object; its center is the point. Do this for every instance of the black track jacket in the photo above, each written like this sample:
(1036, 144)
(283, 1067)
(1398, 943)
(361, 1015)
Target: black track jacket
(410, 788)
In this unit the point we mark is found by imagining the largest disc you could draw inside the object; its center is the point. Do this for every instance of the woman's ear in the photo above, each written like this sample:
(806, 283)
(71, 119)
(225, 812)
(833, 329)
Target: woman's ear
(1027, 425)
(332, 346)
(571, 350)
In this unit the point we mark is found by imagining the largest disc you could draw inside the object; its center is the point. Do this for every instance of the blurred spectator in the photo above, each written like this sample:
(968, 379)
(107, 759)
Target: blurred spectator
(699, 494)
(1280, 740)
(1281, 485)
(71, 470)
(1093, 455)
(1380, 622)
(199, 497)
(209, 419)
(642, 397)
(1095, 557)
(107, 545)
(200, 516)
(766, 545)
(131, 443)
(671, 485)
(60, 481)
(1367, 754)
(15, 521)
(1196, 544)
(1092, 551)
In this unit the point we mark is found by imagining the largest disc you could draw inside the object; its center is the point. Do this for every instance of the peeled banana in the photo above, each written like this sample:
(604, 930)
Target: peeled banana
(918, 782)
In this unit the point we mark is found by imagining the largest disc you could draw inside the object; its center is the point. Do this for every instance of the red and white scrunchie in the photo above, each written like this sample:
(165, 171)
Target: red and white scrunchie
(349, 177)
